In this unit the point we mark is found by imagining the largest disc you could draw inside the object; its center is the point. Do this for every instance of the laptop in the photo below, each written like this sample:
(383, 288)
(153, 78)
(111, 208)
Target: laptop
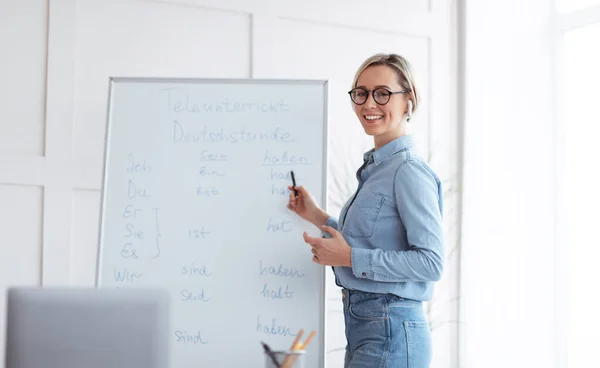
(87, 328)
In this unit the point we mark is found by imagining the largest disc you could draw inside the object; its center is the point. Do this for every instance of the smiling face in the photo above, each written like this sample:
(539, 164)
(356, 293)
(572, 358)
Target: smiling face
(384, 122)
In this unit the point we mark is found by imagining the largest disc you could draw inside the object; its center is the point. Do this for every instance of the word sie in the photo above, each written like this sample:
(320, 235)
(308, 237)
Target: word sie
(184, 337)
(131, 231)
(185, 296)
(273, 328)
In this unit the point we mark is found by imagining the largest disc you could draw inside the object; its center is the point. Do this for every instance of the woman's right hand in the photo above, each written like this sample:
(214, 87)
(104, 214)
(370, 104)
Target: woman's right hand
(305, 206)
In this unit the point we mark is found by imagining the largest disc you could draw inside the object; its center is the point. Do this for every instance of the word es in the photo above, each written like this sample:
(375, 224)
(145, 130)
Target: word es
(129, 251)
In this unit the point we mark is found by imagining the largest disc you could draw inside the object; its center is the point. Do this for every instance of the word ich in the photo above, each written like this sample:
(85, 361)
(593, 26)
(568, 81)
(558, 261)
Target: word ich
(137, 167)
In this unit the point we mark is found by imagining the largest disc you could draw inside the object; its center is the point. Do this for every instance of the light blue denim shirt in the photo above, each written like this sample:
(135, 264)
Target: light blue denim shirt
(394, 225)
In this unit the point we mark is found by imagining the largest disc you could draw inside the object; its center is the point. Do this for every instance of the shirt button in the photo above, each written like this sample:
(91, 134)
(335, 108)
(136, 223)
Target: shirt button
(364, 274)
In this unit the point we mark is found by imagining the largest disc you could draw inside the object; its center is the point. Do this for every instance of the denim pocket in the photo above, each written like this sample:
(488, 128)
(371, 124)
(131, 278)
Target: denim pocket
(418, 344)
(369, 309)
(362, 214)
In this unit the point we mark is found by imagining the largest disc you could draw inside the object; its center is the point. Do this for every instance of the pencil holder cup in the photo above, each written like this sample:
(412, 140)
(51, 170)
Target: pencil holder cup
(286, 359)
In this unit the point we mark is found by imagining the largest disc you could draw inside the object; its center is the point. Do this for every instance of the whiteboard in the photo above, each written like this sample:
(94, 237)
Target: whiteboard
(194, 200)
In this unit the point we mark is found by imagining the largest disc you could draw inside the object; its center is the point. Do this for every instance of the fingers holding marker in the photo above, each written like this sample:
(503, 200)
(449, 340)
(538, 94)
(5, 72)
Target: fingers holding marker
(292, 201)
(299, 189)
(296, 191)
(291, 189)
(294, 183)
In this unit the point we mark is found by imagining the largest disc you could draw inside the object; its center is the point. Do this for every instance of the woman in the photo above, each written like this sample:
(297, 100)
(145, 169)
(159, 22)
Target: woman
(387, 249)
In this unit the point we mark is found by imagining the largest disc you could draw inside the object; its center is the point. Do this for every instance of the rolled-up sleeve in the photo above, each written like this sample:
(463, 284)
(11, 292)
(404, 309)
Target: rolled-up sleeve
(417, 194)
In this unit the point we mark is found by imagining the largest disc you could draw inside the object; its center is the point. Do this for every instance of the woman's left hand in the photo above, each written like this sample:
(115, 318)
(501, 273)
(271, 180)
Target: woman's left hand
(333, 251)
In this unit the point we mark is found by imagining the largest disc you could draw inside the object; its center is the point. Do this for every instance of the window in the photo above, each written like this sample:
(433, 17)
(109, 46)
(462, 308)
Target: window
(573, 5)
(579, 98)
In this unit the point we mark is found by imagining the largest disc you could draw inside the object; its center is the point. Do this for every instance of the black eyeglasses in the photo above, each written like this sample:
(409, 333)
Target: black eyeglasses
(380, 95)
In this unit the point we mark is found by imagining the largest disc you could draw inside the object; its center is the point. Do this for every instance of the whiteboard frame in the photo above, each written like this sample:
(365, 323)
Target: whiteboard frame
(112, 81)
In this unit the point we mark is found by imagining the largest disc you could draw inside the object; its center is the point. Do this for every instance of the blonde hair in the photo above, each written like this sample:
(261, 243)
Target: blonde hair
(403, 69)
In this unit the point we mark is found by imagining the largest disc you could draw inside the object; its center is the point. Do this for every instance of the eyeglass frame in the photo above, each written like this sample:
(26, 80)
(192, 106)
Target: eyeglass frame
(372, 93)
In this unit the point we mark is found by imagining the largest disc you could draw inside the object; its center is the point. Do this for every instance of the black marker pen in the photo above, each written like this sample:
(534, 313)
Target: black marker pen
(294, 183)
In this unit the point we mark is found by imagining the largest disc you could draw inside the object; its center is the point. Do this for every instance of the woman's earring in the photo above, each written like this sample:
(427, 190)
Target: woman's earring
(410, 108)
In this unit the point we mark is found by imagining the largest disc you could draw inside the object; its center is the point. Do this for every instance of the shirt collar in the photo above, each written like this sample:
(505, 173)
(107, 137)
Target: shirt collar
(388, 149)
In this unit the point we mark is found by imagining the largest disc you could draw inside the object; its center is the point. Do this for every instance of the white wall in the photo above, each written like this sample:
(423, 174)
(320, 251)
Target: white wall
(507, 272)
(56, 60)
